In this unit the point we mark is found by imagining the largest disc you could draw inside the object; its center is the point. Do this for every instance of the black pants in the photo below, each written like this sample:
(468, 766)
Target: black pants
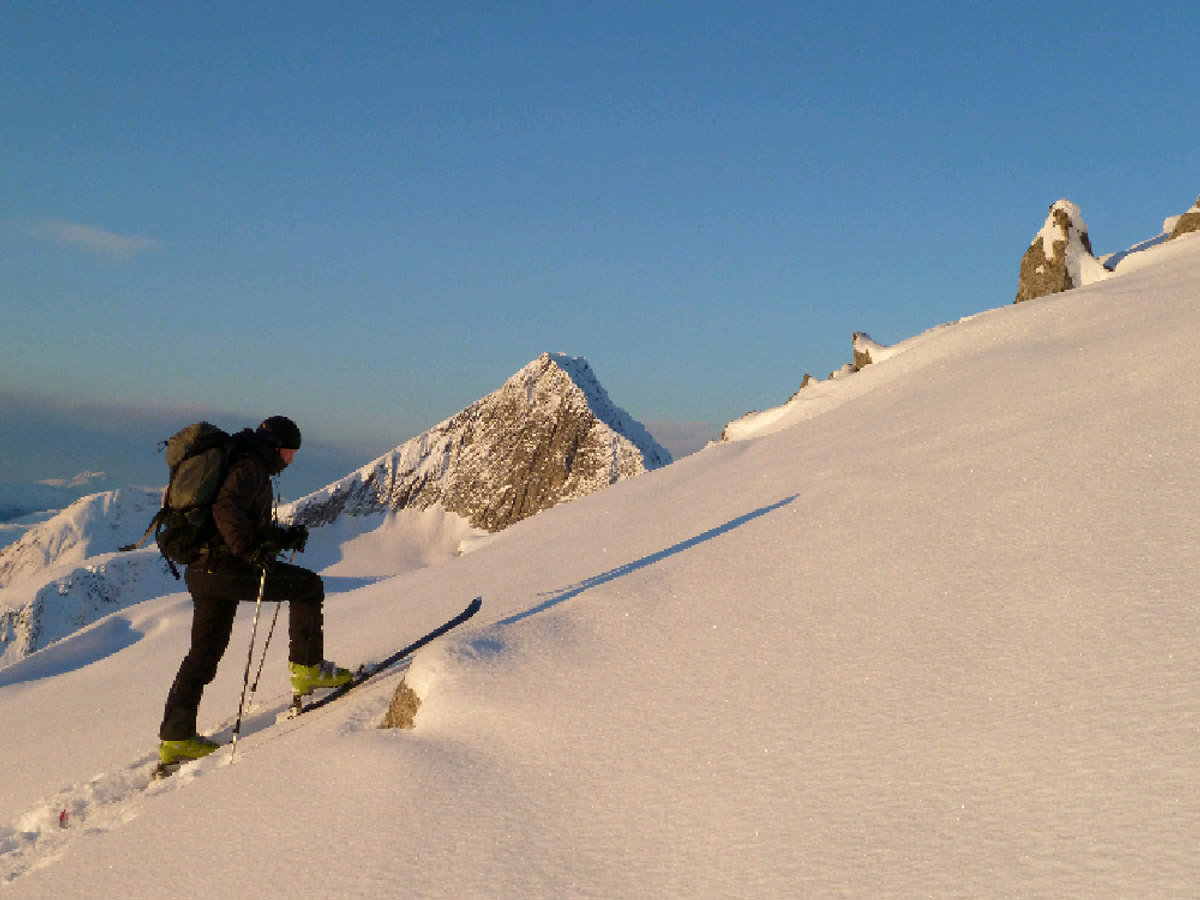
(216, 595)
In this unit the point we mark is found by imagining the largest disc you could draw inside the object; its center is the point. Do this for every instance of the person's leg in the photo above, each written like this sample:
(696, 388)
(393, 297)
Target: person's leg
(305, 594)
(212, 624)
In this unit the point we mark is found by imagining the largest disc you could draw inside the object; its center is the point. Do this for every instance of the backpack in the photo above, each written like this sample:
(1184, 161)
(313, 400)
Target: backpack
(199, 457)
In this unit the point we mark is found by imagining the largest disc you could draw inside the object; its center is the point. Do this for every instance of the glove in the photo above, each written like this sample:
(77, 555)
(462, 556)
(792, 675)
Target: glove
(264, 555)
(294, 537)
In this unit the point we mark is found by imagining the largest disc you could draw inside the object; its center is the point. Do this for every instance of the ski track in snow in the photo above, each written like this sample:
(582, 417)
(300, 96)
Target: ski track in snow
(45, 834)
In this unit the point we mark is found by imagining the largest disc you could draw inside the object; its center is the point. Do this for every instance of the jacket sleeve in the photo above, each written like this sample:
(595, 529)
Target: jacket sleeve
(235, 510)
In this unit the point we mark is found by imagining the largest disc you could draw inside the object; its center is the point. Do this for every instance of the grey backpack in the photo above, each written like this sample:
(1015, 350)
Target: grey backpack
(199, 457)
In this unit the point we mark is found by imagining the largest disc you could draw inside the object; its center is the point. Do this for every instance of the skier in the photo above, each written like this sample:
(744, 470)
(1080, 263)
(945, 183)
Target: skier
(240, 562)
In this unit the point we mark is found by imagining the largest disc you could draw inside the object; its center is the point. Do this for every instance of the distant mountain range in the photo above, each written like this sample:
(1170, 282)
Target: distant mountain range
(17, 500)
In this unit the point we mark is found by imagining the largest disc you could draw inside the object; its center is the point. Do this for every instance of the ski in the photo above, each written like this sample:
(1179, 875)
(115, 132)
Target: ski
(366, 673)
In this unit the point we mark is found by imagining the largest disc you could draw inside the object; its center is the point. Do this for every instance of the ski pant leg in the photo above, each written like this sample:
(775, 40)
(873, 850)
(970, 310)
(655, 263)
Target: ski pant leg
(304, 592)
(302, 589)
(216, 595)
(212, 625)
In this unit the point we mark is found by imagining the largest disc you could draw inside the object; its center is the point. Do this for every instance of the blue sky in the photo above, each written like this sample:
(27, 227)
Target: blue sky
(367, 215)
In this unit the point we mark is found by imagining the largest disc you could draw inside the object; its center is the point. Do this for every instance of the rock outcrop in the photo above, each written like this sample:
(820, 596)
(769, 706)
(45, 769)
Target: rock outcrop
(402, 711)
(1188, 222)
(866, 351)
(550, 434)
(1060, 257)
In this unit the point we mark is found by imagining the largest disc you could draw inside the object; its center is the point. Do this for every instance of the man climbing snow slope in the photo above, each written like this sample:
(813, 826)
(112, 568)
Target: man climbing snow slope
(239, 564)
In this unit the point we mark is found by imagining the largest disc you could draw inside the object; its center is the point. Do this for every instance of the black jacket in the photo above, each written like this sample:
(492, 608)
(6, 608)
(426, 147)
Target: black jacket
(244, 511)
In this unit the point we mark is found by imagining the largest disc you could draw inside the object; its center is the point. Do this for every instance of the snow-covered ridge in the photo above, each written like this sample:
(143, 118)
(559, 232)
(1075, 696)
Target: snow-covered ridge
(817, 397)
(608, 414)
(71, 597)
(99, 523)
(65, 573)
(17, 500)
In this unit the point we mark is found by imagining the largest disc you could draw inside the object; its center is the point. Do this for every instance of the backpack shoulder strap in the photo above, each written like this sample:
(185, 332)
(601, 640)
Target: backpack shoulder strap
(154, 523)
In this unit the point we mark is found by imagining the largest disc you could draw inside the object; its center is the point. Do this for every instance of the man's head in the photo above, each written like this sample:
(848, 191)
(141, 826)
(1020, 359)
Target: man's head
(281, 432)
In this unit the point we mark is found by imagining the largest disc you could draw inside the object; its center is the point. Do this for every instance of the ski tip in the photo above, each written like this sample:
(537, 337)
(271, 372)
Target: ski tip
(474, 605)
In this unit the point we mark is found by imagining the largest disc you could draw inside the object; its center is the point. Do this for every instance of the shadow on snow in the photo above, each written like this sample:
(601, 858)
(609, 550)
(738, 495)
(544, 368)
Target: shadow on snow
(108, 636)
(612, 574)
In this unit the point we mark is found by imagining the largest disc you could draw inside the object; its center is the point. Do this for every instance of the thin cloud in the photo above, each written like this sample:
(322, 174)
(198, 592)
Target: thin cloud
(94, 240)
(43, 436)
(18, 406)
(683, 438)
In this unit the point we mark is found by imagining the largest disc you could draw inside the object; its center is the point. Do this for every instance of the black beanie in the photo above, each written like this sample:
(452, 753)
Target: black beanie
(281, 431)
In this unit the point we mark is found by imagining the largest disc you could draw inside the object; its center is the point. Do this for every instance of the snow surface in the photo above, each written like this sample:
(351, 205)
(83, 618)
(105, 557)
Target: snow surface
(932, 633)
(92, 525)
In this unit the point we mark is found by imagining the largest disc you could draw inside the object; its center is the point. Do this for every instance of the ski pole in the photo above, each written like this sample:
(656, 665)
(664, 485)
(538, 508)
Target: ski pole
(237, 726)
(267, 643)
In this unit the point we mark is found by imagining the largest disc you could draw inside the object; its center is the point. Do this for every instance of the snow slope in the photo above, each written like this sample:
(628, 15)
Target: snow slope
(99, 523)
(19, 499)
(932, 634)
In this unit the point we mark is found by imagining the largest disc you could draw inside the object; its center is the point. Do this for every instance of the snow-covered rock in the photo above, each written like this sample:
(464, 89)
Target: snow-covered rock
(1188, 222)
(550, 434)
(1060, 257)
(867, 351)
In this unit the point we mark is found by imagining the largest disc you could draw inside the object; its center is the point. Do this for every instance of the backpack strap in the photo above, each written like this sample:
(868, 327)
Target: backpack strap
(154, 523)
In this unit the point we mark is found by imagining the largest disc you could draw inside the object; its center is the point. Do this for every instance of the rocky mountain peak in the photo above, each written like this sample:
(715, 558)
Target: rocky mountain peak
(550, 433)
